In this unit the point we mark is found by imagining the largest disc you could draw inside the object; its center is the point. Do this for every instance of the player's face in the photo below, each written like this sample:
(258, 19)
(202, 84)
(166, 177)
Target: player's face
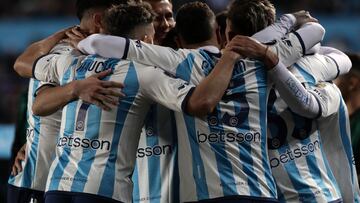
(228, 31)
(164, 20)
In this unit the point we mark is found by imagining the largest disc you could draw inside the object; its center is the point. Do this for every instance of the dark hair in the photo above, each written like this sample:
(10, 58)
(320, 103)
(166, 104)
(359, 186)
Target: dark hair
(221, 21)
(250, 16)
(355, 60)
(194, 22)
(84, 5)
(121, 20)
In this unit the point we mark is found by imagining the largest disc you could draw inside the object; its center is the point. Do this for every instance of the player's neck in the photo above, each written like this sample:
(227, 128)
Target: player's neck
(201, 44)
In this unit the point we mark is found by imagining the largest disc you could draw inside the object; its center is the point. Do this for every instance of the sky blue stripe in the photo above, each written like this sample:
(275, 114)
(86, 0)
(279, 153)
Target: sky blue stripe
(88, 155)
(184, 69)
(136, 188)
(132, 86)
(308, 77)
(296, 179)
(311, 158)
(315, 171)
(197, 162)
(154, 169)
(92, 131)
(328, 169)
(345, 138)
(261, 78)
(223, 164)
(30, 166)
(63, 159)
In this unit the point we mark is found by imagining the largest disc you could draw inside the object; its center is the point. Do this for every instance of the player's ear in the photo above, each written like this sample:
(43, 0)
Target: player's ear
(97, 19)
(148, 39)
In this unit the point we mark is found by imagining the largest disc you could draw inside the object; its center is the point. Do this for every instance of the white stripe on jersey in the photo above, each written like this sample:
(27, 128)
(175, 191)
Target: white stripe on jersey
(155, 175)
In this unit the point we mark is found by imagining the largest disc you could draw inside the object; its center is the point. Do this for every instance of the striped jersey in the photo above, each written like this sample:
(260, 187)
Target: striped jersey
(96, 150)
(298, 162)
(334, 129)
(223, 154)
(41, 135)
(155, 175)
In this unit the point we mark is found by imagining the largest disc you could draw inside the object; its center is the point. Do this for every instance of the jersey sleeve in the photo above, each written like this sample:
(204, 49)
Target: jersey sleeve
(161, 88)
(295, 44)
(50, 68)
(44, 84)
(117, 47)
(327, 96)
(299, 100)
(279, 29)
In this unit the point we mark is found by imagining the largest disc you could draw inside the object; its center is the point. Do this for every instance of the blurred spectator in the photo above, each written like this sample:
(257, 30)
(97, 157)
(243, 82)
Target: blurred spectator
(349, 85)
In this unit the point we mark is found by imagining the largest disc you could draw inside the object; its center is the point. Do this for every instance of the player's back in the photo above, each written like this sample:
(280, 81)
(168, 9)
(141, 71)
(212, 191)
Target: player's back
(336, 136)
(41, 132)
(298, 162)
(334, 130)
(224, 154)
(96, 150)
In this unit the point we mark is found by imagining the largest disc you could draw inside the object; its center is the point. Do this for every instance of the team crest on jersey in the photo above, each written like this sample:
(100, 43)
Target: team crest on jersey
(138, 44)
(286, 41)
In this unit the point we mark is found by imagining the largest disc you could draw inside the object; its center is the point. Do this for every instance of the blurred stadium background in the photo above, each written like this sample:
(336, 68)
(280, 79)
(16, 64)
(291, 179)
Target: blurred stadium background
(25, 21)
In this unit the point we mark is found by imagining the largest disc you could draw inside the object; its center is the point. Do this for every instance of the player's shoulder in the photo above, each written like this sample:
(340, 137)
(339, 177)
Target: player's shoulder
(62, 48)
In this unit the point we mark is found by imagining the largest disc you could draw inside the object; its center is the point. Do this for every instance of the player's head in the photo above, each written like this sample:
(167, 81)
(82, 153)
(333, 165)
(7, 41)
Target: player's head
(221, 21)
(196, 24)
(133, 21)
(247, 17)
(349, 84)
(90, 13)
(164, 20)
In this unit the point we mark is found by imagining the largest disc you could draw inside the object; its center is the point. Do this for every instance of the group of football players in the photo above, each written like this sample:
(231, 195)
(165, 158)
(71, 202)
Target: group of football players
(130, 106)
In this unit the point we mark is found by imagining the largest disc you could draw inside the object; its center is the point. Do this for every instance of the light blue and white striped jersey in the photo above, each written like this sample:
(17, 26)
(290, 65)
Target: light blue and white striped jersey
(225, 153)
(156, 176)
(299, 165)
(96, 150)
(42, 133)
(334, 129)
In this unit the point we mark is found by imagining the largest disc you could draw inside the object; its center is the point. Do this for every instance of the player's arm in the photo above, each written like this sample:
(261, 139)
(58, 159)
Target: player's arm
(177, 95)
(105, 94)
(118, 47)
(24, 63)
(290, 89)
(283, 26)
(296, 44)
(338, 62)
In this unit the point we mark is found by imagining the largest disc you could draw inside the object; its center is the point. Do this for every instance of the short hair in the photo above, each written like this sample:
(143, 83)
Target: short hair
(84, 5)
(121, 20)
(221, 20)
(195, 22)
(355, 60)
(250, 16)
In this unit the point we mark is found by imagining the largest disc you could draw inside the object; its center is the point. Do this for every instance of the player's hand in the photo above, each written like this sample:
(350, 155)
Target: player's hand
(251, 48)
(230, 53)
(303, 17)
(20, 156)
(75, 35)
(104, 94)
